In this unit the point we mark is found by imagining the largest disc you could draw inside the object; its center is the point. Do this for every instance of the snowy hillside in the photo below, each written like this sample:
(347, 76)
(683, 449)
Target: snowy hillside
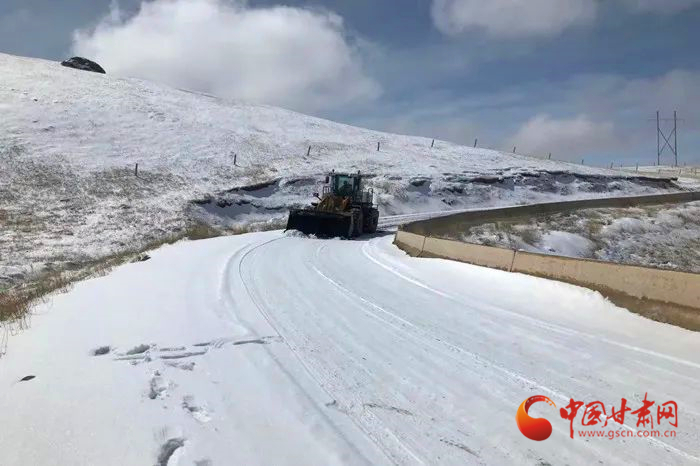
(70, 140)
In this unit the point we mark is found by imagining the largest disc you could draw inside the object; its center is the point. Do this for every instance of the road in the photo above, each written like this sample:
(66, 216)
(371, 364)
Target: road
(275, 349)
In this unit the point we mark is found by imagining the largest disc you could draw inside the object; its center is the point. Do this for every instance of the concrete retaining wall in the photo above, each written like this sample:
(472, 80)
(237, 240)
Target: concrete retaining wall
(458, 223)
(646, 283)
(496, 258)
(664, 295)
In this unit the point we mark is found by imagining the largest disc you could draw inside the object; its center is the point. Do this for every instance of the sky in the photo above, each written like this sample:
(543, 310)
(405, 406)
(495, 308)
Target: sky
(580, 79)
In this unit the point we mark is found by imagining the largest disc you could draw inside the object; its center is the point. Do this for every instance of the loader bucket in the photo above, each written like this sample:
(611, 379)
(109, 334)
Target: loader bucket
(321, 224)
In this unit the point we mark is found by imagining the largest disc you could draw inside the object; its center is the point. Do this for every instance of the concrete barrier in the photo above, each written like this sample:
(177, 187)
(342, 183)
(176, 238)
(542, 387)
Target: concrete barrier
(646, 283)
(411, 243)
(476, 254)
(664, 295)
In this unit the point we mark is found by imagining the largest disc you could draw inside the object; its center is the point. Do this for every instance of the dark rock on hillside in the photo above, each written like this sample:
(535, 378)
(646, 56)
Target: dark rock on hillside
(80, 63)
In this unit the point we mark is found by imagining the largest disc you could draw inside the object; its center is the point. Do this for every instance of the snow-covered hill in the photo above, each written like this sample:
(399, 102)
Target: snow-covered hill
(70, 140)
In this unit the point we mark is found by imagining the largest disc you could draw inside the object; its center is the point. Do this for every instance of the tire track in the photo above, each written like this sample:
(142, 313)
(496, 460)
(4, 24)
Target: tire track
(318, 380)
(537, 322)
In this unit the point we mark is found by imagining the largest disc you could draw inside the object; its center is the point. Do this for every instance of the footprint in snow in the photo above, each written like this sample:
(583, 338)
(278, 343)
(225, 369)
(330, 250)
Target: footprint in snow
(146, 353)
(158, 386)
(197, 410)
(140, 349)
(101, 351)
(185, 366)
(221, 342)
(168, 449)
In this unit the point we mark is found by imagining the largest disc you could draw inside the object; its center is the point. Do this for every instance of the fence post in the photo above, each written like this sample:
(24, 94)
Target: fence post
(582, 162)
(136, 170)
(308, 152)
(475, 141)
(378, 145)
(550, 156)
(432, 144)
(235, 157)
(514, 147)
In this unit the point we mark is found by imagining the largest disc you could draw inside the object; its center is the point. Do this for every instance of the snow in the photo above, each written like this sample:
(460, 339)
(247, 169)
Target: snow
(348, 352)
(70, 140)
(663, 236)
(688, 176)
(563, 243)
(272, 348)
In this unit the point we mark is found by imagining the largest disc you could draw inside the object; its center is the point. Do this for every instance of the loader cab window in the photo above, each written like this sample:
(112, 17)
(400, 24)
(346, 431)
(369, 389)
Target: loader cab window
(344, 185)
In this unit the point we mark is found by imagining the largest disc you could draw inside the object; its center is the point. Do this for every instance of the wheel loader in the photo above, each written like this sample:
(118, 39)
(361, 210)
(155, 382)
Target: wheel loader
(343, 210)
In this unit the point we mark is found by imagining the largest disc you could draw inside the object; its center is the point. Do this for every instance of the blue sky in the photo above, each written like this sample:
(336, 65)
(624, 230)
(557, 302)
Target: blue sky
(578, 78)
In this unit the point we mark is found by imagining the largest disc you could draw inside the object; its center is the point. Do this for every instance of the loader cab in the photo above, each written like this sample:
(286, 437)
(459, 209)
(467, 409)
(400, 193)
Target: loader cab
(345, 185)
(348, 185)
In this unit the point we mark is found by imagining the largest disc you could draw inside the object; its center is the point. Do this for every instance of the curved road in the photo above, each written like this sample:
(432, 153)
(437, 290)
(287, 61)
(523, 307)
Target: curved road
(275, 349)
(430, 357)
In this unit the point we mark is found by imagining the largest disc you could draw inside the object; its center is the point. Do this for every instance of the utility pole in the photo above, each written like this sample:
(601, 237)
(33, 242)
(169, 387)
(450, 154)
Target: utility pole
(661, 135)
(658, 141)
(675, 135)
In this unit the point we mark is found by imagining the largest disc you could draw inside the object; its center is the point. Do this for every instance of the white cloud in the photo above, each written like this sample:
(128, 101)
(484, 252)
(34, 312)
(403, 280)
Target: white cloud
(615, 116)
(520, 18)
(600, 117)
(660, 6)
(565, 137)
(292, 57)
(511, 18)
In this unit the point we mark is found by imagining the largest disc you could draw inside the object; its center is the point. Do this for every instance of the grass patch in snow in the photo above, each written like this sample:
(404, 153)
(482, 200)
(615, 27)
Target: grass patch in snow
(200, 230)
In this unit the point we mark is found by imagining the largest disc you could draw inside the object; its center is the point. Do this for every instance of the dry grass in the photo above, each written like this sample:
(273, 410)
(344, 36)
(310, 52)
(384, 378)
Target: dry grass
(199, 231)
(16, 303)
(529, 235)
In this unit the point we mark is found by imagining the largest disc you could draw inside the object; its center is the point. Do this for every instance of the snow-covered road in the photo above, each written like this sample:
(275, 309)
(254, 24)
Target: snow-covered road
(273, 349)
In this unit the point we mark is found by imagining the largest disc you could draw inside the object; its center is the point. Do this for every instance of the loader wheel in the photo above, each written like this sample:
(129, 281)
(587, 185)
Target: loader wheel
(372, 221)
(356, 223)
